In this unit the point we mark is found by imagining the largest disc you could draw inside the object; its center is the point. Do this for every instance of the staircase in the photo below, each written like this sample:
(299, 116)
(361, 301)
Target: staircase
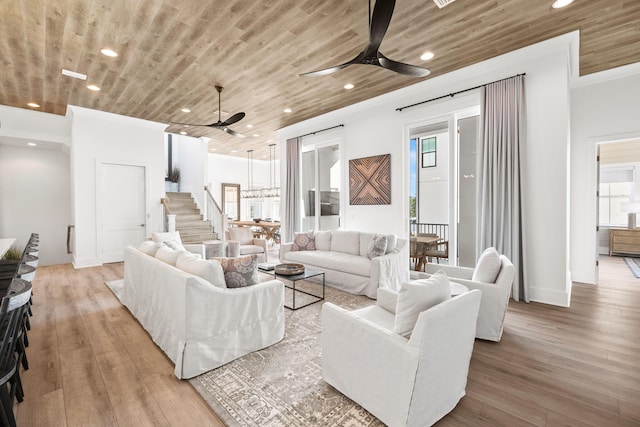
(189, 222)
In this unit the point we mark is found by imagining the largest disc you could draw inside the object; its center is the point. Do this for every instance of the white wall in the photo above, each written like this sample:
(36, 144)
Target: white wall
(234, 170)
(34, 181)
(98, 137)
(34, 189)
(601, 112)
(190, 156)
(374, 127)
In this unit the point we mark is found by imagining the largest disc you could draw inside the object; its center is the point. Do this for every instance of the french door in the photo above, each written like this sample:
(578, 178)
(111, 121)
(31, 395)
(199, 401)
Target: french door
(321, 184)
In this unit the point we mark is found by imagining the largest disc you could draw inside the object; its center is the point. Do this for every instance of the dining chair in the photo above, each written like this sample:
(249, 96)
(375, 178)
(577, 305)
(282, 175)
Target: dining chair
(12, 309)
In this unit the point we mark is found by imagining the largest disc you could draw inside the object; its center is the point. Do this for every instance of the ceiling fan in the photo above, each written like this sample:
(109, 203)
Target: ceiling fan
(223, 126)
(378, 24)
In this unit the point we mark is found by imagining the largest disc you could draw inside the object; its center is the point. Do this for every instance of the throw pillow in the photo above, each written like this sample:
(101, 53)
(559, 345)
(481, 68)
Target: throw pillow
(488, 267)
(174, 245)
(392, 242)
(417, 296)
(149, 247)
(240, 272)
(167, 255)
(211, 270)
(169, 235)
(304, 242)
(377, 246)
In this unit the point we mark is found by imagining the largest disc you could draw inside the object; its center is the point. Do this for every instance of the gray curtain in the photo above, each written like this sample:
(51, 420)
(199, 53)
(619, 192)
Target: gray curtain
(291, 220)
(500, 156)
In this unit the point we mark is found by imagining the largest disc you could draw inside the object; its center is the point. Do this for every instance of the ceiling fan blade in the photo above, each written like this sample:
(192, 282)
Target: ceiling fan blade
(401, 67)
(233, 119)
(186, 124)
(380, 19)
(324, 72)
(231, 132)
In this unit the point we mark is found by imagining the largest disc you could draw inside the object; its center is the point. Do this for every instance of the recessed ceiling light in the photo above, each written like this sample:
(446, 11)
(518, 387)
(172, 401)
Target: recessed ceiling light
(249, 126)
(561, 3)
(185, 110)
(256, 135)
(427, 56)
(212, 149)
(109, 52)
(349, 86)
(287, 110)
(33, 105)
(93, 88)
(233, 151)
(183, 133)
(73, 74)
(269, 140)
(31, 144)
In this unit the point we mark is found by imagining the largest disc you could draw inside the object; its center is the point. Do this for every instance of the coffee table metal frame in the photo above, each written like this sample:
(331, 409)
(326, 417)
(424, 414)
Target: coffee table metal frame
(294, 278)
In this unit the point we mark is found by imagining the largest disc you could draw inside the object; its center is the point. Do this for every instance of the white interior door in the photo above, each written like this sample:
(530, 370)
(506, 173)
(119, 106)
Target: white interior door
(122, 209)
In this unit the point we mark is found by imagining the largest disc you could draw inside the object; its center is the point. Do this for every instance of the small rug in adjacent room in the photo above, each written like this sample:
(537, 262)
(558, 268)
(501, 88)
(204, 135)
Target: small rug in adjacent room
(634, 266)
(282, 385)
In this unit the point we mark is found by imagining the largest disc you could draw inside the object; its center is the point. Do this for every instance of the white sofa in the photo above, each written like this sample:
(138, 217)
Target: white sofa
(198, 324)
(342, 256)
(402, 381)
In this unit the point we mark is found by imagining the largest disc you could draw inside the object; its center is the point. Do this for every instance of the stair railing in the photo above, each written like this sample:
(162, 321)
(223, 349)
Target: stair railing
(166, 211)
(215, 215)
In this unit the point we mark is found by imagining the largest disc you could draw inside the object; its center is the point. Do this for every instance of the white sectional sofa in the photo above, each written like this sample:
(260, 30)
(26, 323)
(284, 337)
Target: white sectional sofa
(200, 325)
(342, 256)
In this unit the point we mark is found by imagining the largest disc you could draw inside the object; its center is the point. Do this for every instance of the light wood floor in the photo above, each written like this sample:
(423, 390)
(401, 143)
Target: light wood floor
(92, 364)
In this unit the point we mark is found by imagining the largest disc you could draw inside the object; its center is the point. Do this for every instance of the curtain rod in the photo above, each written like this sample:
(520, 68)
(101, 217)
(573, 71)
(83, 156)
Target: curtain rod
(321, 130)
(455, 93)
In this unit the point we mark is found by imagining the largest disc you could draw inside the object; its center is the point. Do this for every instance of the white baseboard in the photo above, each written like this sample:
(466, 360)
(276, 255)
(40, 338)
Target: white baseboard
(550, 296)
(86, 262)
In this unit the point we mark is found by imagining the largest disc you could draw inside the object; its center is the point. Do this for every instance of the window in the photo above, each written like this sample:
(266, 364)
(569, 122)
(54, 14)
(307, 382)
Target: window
(255, 209)
(612, 195)
(428, 152)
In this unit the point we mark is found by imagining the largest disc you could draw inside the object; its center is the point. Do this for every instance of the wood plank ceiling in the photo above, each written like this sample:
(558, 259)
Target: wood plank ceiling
(173, 53)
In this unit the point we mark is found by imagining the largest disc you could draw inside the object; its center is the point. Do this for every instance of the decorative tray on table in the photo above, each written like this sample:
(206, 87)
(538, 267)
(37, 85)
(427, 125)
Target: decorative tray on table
(289, 269)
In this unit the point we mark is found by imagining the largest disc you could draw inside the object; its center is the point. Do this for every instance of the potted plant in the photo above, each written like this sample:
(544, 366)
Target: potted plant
(174, 177)
(12, 256)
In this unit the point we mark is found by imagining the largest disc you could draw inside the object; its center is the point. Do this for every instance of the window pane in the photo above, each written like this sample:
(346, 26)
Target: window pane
(428, 144)
(604, 189)
(621, 189)
(428, 159)
(617, 216)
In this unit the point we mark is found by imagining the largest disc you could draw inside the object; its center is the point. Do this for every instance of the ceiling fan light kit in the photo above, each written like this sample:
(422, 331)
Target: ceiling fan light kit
(371, 55)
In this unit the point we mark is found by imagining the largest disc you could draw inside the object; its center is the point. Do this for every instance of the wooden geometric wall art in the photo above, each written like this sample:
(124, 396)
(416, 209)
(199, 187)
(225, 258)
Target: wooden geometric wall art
(370, 180)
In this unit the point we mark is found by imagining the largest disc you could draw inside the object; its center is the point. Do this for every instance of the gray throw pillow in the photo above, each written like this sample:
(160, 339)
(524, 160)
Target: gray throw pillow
(304, 242)
(240, 272)
(377, 246)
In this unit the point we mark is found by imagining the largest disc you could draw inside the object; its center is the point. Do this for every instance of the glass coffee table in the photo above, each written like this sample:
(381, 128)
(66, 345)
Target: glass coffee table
(307, 274)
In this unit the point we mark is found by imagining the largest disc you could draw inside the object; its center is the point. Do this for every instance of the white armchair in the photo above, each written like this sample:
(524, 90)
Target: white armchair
(495, 292)
(248, 245)
(402, 381)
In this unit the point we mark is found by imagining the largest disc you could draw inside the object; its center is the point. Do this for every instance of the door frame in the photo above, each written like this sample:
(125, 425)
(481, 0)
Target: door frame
(99, 197)
(451, 117)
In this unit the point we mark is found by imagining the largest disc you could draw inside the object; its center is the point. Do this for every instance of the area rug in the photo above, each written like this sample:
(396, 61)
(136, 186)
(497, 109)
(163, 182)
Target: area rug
(634, 266)
(282, 385)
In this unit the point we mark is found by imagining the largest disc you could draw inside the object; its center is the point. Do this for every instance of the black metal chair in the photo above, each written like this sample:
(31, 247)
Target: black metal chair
(12, 311)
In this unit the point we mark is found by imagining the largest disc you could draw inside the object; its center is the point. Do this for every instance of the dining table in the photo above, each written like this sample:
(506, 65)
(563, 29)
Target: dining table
(268, 229)
(5, 244)
(425, 241)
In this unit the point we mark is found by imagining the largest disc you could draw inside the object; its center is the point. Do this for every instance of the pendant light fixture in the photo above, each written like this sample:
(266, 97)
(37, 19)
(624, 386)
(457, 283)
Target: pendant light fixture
(250, 193)
(272, 191)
